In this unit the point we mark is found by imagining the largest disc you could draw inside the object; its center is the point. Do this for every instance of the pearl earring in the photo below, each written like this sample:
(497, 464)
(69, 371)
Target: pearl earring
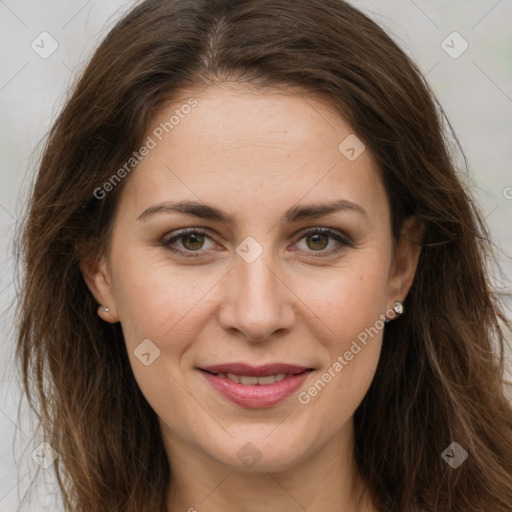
(106, 309)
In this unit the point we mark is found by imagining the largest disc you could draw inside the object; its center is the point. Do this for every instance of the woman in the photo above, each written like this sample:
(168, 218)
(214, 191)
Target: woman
(254, 279)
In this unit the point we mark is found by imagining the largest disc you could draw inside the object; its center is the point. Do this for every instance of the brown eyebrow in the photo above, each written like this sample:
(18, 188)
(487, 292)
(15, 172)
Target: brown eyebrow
(294, 214)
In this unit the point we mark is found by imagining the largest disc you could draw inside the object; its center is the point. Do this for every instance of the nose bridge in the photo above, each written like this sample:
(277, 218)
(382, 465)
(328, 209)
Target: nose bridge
(258, 304)
(255, 262)
(257, 279)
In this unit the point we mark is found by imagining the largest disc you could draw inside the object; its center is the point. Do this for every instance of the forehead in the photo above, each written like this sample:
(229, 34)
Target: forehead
(247, 148)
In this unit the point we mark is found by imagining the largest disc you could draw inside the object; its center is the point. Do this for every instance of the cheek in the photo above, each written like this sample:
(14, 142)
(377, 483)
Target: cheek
(159, 303)
(162, 302)
(349, 298)
(351, 306)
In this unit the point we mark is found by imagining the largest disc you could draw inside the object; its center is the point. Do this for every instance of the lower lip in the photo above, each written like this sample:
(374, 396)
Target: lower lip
(254, 395)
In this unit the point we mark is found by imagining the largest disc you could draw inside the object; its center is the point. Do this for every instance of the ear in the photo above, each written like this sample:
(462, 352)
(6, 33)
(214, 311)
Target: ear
(405, 260)
(98, 279)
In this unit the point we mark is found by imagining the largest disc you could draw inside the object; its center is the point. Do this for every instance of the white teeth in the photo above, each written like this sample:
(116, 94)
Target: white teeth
(250, 380)
(268, 379)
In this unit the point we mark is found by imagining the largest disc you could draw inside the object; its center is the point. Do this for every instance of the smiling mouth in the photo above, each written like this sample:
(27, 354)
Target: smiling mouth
(268, 385)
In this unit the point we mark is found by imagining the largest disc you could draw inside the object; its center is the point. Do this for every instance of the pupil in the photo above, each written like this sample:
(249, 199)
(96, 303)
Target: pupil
(315, 237)
(195, 238)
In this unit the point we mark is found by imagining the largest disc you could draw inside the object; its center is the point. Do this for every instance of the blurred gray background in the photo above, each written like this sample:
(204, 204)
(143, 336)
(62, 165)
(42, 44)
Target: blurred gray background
(464, 48)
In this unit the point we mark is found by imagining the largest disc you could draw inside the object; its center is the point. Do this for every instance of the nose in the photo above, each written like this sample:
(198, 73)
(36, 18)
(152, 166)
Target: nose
(258, 302)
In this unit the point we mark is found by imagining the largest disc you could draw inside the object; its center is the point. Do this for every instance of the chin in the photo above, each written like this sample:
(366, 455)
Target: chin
(258, 454)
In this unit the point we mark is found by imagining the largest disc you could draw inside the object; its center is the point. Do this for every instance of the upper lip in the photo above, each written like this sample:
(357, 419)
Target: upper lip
(255, 371)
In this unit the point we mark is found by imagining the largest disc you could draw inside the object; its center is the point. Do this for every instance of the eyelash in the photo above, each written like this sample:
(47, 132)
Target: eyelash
(344, 241)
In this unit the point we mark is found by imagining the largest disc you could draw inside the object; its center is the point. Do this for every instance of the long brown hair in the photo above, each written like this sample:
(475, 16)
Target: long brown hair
(440, 378)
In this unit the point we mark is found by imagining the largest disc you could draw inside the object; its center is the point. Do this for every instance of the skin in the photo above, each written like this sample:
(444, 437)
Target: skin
(254, 155)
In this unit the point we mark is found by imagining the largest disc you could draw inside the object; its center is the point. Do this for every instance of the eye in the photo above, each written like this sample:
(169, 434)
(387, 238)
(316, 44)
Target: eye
(317, 240)
(192, 240)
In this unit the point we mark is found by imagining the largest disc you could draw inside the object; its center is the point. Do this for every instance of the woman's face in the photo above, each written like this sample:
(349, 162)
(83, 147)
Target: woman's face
(256, 171)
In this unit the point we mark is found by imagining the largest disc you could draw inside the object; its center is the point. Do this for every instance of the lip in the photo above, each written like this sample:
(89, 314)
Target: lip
(254, 395)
